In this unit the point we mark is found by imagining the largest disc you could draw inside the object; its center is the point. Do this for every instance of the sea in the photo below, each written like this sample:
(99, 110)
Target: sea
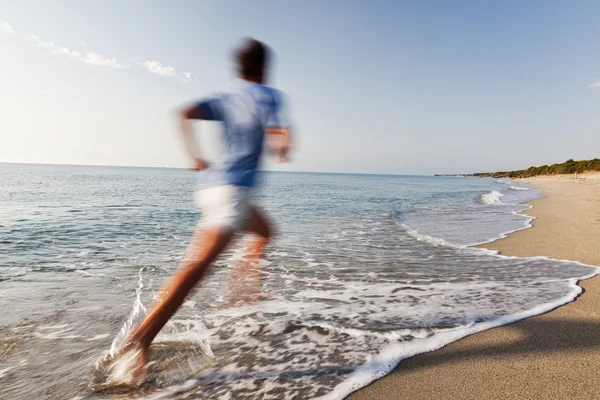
(365, 271)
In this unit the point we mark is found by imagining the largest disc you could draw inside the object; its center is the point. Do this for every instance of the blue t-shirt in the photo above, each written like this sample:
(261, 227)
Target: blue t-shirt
(245, 113)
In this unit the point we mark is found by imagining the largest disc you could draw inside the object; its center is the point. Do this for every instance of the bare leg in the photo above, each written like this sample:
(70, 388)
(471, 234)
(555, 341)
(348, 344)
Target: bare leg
(205, 249)
(259, 225)
(244, 277)
(244, 284)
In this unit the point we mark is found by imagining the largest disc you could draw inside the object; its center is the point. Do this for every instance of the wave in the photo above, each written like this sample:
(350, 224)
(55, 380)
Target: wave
(333, 338)
(519, 188)
(432, 240)
(492, 198)
(390, 357)
(437, 241)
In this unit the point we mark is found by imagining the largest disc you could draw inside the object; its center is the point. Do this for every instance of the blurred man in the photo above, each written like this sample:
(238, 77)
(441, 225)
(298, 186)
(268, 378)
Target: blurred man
(247, 113)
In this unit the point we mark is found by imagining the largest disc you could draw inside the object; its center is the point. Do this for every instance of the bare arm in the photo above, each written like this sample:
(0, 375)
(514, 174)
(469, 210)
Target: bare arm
(185, 118)
(286, 142)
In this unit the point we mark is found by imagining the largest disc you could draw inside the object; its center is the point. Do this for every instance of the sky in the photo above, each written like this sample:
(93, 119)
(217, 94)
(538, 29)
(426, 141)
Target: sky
(372, 87)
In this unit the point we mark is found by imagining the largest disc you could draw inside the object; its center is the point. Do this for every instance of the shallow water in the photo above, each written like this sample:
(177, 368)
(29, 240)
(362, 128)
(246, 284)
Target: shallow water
(367, 270)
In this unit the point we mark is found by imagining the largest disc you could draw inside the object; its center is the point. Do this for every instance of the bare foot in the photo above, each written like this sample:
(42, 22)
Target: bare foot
(130, 367)
(139, 372)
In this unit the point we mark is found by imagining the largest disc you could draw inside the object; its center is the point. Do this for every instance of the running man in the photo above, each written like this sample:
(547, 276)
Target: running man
(247, 113)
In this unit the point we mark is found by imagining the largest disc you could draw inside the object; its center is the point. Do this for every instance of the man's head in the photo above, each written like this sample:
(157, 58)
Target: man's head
(251, 59)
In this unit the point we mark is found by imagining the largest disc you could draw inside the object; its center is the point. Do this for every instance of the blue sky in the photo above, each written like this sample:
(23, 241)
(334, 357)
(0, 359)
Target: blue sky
(374, 87)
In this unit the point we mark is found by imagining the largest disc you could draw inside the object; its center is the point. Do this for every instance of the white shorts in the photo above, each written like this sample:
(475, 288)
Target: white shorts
(224, 206)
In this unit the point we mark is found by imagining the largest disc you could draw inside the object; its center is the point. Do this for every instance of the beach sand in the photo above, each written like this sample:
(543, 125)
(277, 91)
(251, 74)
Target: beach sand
(551, 356)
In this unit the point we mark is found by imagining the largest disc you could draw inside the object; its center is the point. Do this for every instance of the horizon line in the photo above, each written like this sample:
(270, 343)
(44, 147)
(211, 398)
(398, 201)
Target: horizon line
(181, 168)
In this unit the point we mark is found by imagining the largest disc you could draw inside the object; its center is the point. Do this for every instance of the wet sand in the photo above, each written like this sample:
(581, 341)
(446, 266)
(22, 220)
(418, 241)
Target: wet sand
(551, 356)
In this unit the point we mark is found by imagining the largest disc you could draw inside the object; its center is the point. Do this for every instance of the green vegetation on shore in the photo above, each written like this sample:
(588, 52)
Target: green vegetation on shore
(568, 167)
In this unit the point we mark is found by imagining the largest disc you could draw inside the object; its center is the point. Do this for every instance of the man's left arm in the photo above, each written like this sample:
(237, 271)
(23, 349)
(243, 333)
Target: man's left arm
(285, 144)
(278, 124)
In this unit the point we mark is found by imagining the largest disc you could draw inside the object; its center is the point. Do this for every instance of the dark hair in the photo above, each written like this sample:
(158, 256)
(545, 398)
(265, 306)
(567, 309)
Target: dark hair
(252, 58)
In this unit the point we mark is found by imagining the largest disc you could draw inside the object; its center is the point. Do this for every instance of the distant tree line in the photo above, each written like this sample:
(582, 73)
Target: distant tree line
(568, 167)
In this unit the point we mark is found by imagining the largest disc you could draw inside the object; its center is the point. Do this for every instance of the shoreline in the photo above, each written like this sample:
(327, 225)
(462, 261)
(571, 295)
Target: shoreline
(550, 355)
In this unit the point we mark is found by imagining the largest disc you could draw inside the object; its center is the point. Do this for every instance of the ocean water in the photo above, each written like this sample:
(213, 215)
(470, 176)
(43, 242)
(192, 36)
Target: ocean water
(366, 270)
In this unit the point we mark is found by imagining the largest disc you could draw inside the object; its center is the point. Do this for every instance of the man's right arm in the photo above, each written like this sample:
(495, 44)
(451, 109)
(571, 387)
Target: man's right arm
(206, 110)
(186, 116)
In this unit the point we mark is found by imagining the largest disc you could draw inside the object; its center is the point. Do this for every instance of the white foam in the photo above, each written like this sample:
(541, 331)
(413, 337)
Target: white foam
(388, 358)
(98, 337)
(355, 328)
(54, 332)
(189, 303)
(492, 198)
(519, 188)
(428, 239)
(5, 371)
(462, 236)
(86, 273)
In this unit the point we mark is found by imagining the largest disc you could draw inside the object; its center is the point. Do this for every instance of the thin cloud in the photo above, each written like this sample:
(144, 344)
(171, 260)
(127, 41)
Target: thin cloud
(595, 85)
(90, 58)
(157, 68)
(54, 48)
(6, 26)
(99, 59)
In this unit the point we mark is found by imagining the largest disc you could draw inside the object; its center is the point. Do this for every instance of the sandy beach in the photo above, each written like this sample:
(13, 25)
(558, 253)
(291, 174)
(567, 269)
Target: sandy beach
(552, 356)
